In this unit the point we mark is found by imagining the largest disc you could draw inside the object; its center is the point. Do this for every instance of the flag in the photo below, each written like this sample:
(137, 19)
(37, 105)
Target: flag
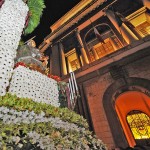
(98, 35)
(148, 11)
(118, 19)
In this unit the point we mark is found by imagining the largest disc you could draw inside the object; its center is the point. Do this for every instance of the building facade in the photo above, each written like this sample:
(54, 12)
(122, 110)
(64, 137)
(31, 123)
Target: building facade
(107, 44)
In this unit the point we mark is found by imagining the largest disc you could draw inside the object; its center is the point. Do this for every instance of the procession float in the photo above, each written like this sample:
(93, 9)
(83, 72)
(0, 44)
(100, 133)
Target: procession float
(31, 113)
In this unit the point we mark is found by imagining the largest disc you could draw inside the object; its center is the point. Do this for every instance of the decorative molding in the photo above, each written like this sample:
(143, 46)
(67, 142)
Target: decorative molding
(130, 88)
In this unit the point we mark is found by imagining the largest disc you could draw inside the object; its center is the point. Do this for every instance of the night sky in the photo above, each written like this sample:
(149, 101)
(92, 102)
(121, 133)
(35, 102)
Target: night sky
(54, 10)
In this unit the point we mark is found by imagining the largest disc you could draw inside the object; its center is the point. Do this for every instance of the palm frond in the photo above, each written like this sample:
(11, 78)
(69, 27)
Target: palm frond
(36, 10)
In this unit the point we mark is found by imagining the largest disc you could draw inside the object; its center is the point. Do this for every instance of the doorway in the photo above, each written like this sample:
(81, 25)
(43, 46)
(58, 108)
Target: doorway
(133, 110)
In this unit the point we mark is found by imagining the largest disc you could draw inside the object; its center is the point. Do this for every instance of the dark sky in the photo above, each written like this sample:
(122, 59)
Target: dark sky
(53, 11)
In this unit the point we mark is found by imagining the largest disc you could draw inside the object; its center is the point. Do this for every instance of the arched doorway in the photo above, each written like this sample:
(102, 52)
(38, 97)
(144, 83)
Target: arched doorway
(133, 110)
(110, 96)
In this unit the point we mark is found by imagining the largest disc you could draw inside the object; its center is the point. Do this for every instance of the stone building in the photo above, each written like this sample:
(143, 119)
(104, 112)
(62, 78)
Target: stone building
(107, 44)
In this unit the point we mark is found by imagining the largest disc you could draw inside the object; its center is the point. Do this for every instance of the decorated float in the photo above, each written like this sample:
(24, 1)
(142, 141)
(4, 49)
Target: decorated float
(30, 114)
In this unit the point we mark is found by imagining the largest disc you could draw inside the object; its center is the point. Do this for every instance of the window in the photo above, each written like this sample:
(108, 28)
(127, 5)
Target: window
(139, 124)
(72, 60)
(141, 20)
(144, 29)
(135, 124)
(96, 48)
(91, 54)
(105, 49)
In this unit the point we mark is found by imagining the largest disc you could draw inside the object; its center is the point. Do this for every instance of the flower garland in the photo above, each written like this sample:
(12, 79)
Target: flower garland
(56, 78)
(20, 64)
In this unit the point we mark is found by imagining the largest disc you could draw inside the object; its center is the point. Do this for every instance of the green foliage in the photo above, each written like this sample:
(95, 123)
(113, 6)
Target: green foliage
(62, 94)
(12, 101)
(57, 137)
(21, 42)
(35, 10)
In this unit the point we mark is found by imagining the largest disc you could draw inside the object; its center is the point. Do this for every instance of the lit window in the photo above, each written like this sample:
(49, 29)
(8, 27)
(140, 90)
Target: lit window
(141, 20)
(72, 60)
(139, 124)
(105, 49)
(91, 54)
(144, 29)
(96, 48)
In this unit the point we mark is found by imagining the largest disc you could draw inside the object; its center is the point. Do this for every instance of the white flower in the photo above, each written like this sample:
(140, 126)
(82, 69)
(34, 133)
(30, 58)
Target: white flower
(5, 110)
(15, 121)
(42, 114)
(32, 113)
(12, 111)
(16, 139)
(30, 117)
(20, 145)
(19, 113)
(1, 116)
(9, 42)
(42, 83)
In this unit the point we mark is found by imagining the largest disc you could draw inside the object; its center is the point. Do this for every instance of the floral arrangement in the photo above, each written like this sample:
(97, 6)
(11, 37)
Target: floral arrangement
(12, 19)
(36, 68)
(33, 124)
(20, 64)
(26, 124)
(64, 95)
(56, 78)
(32, 84)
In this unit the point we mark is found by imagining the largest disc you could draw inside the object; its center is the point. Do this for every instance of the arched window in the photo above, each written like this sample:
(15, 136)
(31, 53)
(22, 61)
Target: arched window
(96, 48)
(132, 108)
(139, 124)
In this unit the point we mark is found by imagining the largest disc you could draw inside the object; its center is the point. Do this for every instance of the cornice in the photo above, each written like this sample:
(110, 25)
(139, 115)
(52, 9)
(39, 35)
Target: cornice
(72, 20)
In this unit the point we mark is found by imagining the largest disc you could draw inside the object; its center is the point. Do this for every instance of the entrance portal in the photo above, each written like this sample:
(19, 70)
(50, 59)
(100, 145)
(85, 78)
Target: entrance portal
(133, 109)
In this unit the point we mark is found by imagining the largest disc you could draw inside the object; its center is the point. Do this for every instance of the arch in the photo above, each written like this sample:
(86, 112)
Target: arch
(128, 102)
(112, 92)
(103, 44)
(96, 26)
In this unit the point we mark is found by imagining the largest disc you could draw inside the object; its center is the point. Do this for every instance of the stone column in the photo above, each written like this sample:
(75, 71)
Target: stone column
(50, 67)
(63, 61)
(95, 54)
(127, 34)
(55, 63)
(115, 46)
(83, 52)
(146, 3)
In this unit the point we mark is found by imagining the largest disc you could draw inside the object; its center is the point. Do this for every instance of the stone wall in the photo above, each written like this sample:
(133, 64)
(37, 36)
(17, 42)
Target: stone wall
(96, 87)
(139, 68)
